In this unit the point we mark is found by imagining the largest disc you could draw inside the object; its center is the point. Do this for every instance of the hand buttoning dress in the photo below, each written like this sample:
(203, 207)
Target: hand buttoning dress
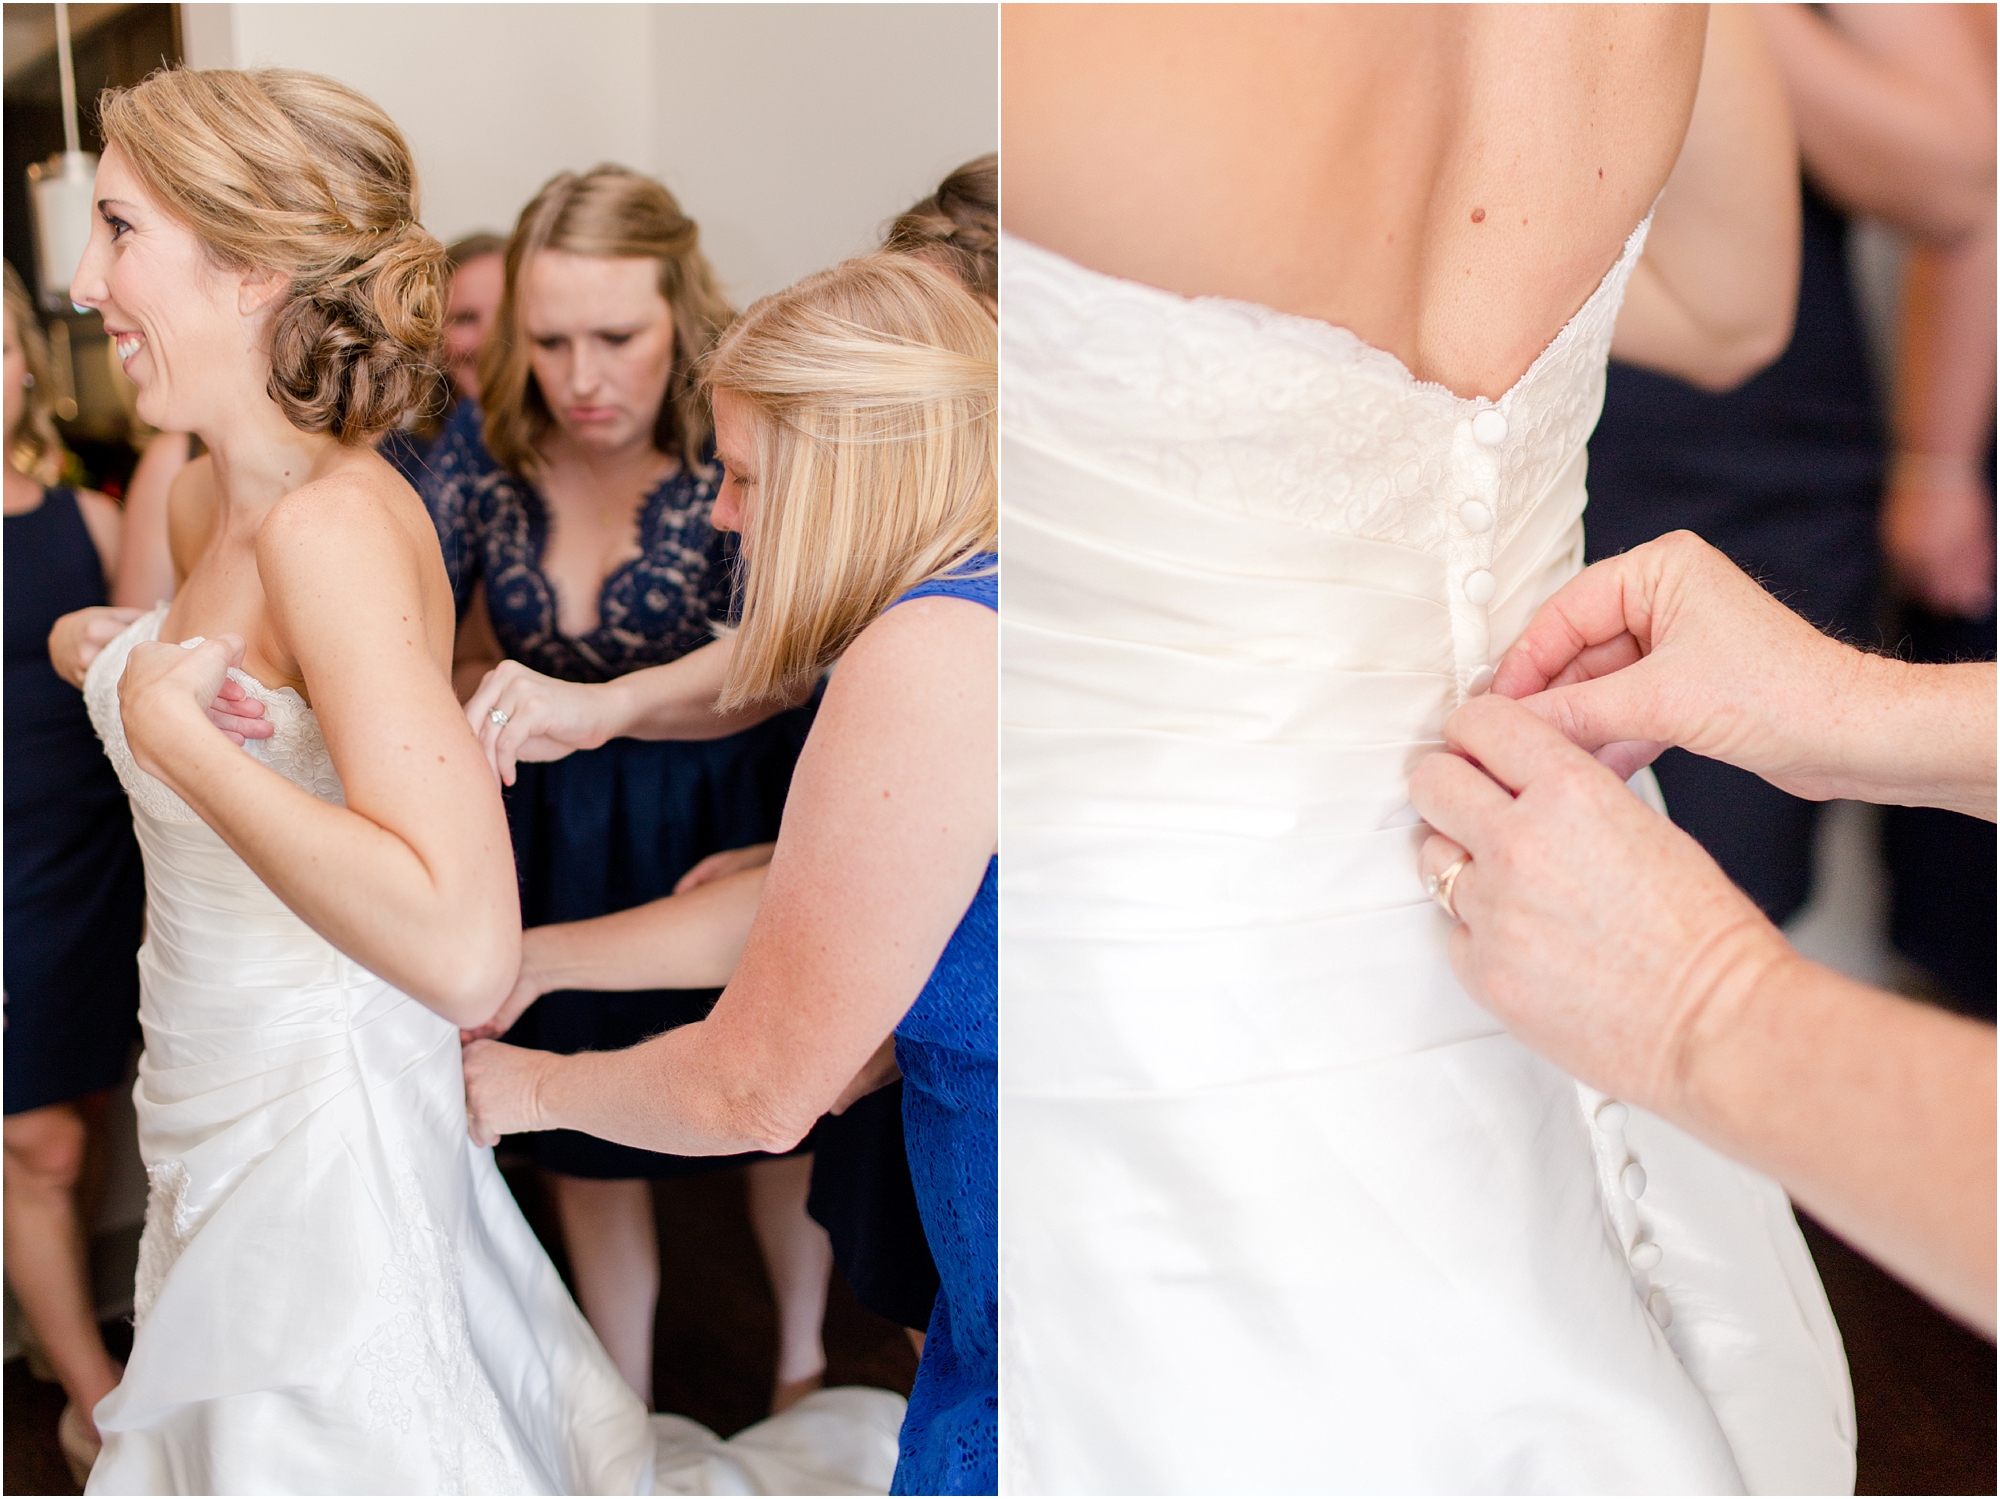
(1285, 1210)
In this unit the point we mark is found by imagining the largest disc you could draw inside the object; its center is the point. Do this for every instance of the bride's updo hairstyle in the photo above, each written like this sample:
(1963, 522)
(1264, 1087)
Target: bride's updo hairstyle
(291, 172)
(875, 390)
(617, 214)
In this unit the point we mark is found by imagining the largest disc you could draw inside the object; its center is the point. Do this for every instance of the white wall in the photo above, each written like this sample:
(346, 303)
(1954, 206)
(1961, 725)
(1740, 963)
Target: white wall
(790, 132)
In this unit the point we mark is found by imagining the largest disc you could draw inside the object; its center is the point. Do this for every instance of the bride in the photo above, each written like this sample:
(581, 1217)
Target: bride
(1306, 312)
(336, 1292)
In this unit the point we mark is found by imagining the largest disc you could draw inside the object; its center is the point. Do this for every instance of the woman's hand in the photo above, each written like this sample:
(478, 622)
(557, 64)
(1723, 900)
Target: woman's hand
(541, 718)
(80, 636)
(1597, 931)
(1937, 533)
(165, 695)
(503, 1090)
(727, 862)
(1672, 644)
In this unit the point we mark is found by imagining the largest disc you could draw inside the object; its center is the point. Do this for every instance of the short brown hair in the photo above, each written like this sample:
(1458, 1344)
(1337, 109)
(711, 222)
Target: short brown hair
(296, 173)
(473, 247)
(958, 227)
(616, 214)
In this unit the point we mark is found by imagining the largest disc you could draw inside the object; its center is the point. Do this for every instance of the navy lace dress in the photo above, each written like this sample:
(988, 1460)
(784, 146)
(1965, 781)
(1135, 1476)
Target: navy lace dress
(75, 888)
(614, 827)
(948, 1048)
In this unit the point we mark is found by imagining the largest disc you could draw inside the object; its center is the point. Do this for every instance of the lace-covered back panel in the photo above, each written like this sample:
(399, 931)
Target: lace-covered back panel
(1267, 414)
(296, 749)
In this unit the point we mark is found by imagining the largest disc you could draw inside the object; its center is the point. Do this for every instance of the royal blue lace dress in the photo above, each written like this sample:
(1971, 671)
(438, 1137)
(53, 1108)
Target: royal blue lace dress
(948, 1049)
(614, 827)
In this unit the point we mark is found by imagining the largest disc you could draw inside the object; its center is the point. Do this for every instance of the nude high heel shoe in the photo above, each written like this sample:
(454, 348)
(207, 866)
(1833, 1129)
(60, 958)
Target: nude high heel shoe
(80, 1444)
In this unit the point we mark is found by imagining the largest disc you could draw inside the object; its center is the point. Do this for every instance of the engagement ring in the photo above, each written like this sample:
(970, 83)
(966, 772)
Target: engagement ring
(498, 716)
(1439, 885)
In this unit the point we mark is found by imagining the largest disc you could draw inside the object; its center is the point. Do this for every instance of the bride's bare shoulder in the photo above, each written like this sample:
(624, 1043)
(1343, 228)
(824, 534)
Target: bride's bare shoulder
(357, 531)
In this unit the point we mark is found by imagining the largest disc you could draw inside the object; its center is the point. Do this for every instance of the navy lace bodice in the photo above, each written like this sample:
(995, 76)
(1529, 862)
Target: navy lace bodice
(948, 1049)
(494, 525)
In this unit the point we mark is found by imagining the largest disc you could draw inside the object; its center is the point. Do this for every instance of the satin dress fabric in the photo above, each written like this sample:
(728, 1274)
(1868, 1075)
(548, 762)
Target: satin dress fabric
(336, 1292)
(1285, 1211)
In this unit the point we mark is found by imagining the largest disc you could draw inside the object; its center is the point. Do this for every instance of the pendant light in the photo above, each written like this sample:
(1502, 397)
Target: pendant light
(60, 189)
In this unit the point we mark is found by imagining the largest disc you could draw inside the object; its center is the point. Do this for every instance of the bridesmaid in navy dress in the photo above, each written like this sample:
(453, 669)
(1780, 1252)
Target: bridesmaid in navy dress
(75, 895)
(573, 505)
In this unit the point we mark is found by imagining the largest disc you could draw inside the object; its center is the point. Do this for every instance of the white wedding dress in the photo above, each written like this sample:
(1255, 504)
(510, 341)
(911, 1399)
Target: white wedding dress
(1284, 1210)
(336, 1292)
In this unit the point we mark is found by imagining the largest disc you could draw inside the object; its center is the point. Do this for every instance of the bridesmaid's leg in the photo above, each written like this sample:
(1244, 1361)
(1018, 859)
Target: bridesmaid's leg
(614, 1255)
(798, 1257)
(48, 1257)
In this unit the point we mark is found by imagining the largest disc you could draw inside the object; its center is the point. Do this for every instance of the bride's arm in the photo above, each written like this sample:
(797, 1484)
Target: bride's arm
(890, 822)
(414, 877)
(1712, 299)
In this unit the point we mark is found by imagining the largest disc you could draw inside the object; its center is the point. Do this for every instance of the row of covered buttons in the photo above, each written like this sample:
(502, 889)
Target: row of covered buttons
(1644, 1253)
(1489, 429)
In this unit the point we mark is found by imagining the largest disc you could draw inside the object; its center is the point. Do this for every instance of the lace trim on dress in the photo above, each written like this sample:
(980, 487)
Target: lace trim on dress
(165, 1235)
(422, 1355)
(296, 748)
(1273, 415)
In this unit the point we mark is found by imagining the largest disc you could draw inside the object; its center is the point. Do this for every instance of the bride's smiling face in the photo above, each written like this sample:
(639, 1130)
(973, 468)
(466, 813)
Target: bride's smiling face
(176, 317)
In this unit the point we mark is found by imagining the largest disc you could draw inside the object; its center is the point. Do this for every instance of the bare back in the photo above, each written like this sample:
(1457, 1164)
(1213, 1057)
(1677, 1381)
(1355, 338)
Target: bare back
(1448, 182)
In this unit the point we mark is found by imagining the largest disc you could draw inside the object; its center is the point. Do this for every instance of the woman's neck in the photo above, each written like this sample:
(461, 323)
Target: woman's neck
(637, 466)
(258, 459)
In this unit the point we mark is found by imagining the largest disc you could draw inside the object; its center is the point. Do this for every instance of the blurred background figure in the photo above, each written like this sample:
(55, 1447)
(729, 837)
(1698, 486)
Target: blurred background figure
(572, 500)
(75, 895)
(478, 274)
(1825, 489)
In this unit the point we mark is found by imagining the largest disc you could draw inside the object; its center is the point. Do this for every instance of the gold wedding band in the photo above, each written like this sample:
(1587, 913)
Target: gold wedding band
(1440, 885)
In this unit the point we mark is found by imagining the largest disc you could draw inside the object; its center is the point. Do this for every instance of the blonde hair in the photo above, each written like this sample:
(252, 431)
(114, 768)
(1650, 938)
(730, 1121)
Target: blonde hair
(875, 388)
(33, 447)
(291, 172)
(612, 213)
(957, 227)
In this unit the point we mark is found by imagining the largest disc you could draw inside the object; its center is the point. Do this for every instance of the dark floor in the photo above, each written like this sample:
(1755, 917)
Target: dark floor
(715, 1341)
(1923, 1386)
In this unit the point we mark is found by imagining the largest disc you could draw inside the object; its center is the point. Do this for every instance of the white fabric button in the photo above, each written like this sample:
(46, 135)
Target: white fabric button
(1475, 517)
(1611, 1114)
(1490, 427)
(1645, 1255)
(1479, 681)
(1661, 1308)
(1480, 587)
(1633, 1180)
